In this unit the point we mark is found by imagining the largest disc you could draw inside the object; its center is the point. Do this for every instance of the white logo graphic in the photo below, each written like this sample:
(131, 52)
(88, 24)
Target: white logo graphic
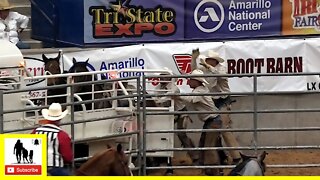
(10, 169)
(211, 13)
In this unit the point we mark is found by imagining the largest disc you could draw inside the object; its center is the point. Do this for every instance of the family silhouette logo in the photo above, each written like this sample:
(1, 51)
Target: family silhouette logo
(25, 155)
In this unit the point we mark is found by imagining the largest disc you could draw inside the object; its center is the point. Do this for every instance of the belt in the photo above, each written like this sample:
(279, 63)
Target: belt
(223, 101)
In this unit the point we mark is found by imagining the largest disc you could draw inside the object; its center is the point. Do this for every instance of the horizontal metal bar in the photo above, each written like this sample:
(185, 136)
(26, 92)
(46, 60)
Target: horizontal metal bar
(74, 122)
(233, 111)
(234, 130)
(106, 137)
(248, 75)
(235, 148)
(232, 166)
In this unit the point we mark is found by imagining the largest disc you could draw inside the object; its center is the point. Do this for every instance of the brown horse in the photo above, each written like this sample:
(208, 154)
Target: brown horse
(111, 162)
(78, 67)
(52, 66)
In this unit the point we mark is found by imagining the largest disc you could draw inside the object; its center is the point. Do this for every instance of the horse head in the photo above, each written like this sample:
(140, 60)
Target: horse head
(52, 66)
(111, 162)
(120, 165)
(250, 165)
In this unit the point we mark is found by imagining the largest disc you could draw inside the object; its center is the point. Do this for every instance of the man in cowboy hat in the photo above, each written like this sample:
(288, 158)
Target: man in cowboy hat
(211, 120)
(11, 24)
(211, 64)
(59, 150)
(166, 86)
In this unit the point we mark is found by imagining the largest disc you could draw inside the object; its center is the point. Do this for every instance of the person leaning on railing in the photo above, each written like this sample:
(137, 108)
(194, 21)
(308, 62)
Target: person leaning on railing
(211, 121)
(212, 64)
(167, 86)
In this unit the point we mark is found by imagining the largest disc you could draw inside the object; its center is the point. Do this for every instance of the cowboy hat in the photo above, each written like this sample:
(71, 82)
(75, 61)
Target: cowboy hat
(4, 5)
(54, 112)
(201, 79)
(212, 55)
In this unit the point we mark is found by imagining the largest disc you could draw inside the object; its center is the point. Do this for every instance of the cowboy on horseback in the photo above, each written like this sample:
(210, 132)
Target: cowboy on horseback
(59, 149)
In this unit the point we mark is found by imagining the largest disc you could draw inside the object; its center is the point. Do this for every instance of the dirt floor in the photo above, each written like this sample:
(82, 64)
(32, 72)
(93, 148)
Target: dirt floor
(278, 157)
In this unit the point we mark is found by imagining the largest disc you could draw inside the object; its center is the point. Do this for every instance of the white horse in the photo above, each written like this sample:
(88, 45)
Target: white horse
(250, 166)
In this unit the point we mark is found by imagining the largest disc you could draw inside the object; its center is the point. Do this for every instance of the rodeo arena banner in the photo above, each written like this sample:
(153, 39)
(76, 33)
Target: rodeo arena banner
(107, 23)
(259, 56)
(104, 23)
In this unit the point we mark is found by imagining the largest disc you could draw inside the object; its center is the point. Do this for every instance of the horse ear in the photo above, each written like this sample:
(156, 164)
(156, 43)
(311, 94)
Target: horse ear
(109, 146)
(44, 58)
(87, 60)
(262, 156)
(59, 55)
(119, 147)
(74, 60)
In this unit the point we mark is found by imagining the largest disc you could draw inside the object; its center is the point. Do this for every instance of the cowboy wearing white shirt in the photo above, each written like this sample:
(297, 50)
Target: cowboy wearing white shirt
(11, 24)
(167, 86)
(211, 120)
(211, 64)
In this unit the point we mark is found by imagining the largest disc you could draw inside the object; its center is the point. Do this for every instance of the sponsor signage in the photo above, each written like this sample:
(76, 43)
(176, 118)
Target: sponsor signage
(117, 22)
(233, 18)
(259, 56)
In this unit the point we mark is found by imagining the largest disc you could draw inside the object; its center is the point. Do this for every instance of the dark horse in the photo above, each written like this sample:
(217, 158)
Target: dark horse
(52, 65)
(111, 162)
(88, 89)
(250, 166)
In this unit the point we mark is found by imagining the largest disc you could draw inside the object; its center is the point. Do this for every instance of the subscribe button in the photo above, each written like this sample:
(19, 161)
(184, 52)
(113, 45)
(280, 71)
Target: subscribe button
(23, 170)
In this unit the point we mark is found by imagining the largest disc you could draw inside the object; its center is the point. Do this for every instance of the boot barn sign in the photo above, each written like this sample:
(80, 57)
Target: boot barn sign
(112, 22)
(259, 56)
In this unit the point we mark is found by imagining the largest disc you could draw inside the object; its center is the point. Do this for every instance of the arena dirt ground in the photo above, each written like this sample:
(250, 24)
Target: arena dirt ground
(273, 157)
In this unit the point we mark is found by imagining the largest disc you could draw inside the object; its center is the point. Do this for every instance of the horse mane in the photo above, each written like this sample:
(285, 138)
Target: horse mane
(89, 167)
(101, 161)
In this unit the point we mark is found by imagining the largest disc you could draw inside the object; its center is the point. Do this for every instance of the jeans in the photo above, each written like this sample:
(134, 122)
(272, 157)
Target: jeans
(58, 171)
(210, 139)
(22, 45)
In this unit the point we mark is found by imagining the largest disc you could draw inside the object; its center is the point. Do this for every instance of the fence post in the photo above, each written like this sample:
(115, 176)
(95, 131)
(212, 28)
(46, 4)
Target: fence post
(255, 114)
(139, 126)
(1, 113)
(72, 120)
(144, 136)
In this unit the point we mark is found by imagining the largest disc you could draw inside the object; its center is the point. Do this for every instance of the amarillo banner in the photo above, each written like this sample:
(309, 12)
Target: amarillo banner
(241, 57)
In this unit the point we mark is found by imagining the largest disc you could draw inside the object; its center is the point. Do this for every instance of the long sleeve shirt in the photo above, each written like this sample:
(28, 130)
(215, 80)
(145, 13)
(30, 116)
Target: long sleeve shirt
(201, 103)
(59, 144)
(9, 26)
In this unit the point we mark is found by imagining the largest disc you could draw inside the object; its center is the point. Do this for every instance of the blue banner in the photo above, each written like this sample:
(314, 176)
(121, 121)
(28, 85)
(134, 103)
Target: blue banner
(216, 19)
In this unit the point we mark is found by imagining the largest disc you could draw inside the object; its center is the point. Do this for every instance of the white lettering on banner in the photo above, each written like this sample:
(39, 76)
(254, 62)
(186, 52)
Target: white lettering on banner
(258, 4)
(258, 11)
(273, 65)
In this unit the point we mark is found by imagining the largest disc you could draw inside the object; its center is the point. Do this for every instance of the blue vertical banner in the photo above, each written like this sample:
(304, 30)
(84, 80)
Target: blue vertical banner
(222, 19)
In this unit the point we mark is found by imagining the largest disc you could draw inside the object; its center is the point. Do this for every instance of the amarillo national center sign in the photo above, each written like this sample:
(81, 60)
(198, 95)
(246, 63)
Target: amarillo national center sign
(24, 154)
